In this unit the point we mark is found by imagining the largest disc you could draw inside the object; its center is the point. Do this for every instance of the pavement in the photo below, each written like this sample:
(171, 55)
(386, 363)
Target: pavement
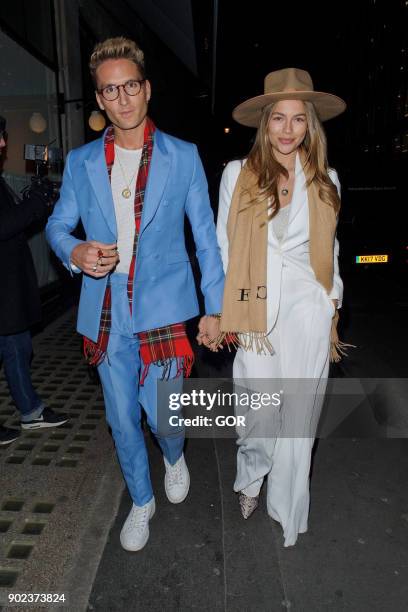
(61, 487)
(62, 501)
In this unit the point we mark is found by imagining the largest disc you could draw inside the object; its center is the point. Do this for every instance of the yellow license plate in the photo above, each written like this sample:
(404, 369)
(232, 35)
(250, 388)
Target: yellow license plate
(371, 259)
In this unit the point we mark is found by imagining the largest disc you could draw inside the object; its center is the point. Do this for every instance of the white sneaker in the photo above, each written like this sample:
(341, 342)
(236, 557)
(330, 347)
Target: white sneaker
(176, 480)
(135, 531)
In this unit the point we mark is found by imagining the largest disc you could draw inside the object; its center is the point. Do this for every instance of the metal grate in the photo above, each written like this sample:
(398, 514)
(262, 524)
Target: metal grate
(5, 525)
(12, 505)
(35, 467)
(8, 577)
(33, 527)
(19, 550)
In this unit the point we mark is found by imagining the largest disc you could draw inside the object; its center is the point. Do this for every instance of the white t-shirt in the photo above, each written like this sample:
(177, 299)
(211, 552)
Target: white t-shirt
(124, 174)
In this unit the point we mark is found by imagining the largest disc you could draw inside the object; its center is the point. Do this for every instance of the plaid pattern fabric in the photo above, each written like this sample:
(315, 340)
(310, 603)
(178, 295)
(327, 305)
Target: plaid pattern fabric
(156, 345)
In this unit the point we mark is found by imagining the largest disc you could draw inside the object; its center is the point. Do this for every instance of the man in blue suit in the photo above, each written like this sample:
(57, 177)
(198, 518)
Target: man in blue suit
(131, 189)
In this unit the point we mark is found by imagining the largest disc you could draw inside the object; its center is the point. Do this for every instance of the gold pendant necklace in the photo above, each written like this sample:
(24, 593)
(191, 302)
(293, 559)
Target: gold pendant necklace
(126, 192)
(285, 190)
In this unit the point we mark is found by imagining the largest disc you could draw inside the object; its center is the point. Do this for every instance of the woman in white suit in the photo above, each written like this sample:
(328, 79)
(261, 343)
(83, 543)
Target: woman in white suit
(276, 228)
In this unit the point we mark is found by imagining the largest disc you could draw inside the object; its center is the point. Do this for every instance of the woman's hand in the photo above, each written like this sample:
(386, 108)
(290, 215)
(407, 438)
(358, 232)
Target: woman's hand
(208, 332)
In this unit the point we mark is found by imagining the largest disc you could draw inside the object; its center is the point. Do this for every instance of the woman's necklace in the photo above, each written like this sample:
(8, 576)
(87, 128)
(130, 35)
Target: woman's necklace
(126, 192)
(285, 190)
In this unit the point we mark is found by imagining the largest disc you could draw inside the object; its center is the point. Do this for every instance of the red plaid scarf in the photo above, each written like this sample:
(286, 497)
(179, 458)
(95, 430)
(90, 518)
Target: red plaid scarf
(156, 345)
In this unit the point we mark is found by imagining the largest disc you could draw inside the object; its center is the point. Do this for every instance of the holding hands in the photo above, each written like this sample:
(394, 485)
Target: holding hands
(208, 332)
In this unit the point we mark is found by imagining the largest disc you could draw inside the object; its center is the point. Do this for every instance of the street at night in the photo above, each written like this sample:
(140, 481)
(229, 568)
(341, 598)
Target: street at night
(97, 279)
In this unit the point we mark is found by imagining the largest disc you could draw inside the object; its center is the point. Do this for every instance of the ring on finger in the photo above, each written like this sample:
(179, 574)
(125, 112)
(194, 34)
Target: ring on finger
(94, 268)
(99, 262)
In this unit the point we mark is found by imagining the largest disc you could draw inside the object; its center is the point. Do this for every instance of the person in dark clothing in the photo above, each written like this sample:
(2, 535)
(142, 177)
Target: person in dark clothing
(20, 305)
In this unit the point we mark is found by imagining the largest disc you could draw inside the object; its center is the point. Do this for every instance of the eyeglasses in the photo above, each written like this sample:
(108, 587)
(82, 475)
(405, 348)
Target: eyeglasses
(132, 88)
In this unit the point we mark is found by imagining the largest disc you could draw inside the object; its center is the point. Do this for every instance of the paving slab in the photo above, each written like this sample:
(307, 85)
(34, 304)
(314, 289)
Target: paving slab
(59, 488)
(203, 556)
(354, 556)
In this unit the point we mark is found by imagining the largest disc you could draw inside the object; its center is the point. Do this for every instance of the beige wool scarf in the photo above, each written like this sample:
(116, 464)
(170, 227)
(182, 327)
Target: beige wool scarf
(244, 312)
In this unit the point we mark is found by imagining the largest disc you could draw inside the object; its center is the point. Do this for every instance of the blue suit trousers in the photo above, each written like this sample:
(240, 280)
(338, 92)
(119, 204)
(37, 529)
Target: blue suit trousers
(125, 397)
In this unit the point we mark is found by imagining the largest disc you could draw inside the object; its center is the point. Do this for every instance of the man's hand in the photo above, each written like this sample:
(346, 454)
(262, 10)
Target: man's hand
(95, 258)
(208, 331)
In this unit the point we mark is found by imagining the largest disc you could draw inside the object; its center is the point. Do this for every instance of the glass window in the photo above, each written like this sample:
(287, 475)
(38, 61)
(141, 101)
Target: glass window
(31, 23)
(28, 102)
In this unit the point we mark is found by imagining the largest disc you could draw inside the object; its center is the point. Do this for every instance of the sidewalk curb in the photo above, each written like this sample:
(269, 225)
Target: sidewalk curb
(94, 535)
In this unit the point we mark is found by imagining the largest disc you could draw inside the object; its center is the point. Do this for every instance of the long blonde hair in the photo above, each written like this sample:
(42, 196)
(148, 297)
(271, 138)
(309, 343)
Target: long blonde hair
(263, 163)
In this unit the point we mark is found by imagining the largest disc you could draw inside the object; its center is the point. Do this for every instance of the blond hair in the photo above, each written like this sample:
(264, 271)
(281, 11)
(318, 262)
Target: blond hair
(263, 163)
(116, 48)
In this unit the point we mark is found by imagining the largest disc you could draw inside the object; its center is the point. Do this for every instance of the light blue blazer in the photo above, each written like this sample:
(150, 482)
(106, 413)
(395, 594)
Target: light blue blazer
(163, 290)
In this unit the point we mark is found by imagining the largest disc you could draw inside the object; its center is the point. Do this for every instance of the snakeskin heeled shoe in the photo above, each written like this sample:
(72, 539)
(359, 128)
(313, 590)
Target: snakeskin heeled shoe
(247, 504)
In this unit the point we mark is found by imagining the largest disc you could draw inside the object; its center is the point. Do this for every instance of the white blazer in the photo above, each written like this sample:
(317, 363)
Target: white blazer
(293, 251)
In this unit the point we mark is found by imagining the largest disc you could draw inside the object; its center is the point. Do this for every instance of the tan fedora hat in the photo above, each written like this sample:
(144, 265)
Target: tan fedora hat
(288, 84)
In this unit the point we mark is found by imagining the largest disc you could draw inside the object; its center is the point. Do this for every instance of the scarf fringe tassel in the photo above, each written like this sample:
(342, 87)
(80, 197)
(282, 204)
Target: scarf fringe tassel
(94, 357)
(92, 353)
(184, 366)
(252, 341)
(259, 343)
(338, 349)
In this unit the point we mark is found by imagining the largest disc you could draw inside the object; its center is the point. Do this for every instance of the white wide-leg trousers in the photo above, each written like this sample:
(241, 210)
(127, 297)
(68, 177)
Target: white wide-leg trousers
(299, 367)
